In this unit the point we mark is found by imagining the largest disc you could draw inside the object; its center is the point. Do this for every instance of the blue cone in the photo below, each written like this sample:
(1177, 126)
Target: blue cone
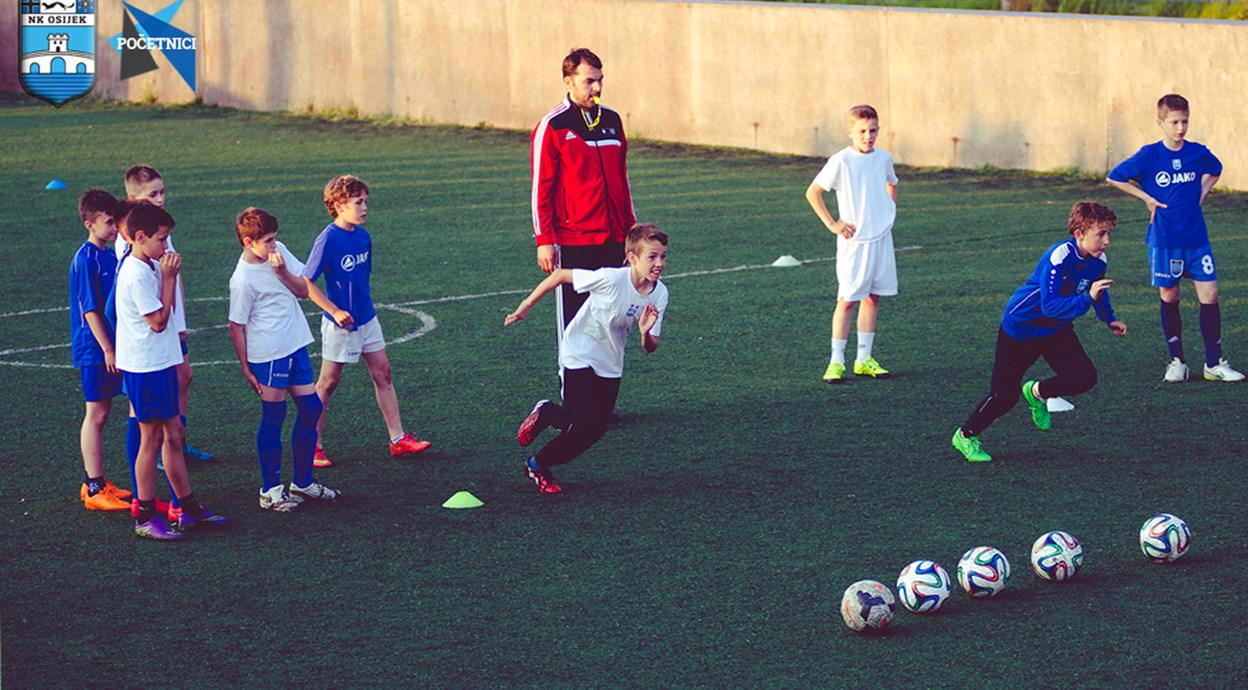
(57, 184)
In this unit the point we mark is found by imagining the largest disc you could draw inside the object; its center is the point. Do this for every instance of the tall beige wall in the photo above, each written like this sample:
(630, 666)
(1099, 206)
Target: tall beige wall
(959, 89)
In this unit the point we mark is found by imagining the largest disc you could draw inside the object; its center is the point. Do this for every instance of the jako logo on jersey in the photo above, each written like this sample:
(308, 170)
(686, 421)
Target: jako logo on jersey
(350, 261)
(632, 310)
(1165, 179)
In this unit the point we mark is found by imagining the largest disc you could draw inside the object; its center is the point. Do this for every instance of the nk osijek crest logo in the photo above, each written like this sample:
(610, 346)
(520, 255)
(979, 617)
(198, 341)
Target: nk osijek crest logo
(57, 49)
(141, 33)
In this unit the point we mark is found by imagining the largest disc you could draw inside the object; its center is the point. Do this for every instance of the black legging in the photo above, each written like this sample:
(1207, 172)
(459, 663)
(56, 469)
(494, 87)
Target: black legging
(587, 403)
(1073, 373)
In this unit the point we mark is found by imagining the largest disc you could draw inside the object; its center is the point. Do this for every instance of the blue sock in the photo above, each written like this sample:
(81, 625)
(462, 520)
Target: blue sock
(1211, 331)
(269, 442)
(133, 436)
(533, 462)
(1172, 329)
(303, 437)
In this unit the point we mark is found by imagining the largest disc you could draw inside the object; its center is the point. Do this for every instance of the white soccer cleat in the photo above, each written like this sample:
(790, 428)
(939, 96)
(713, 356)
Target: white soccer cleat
(1176, 371)
(315, 491)
(1222, 372)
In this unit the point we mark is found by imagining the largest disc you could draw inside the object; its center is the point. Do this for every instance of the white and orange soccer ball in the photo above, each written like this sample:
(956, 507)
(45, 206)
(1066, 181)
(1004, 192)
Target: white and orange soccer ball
(868, 606)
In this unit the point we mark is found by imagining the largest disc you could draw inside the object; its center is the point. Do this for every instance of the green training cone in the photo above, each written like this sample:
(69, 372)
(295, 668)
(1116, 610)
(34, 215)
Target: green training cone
(462, 499)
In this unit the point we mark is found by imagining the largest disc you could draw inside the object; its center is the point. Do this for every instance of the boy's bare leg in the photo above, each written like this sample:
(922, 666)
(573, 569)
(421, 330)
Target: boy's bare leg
(867, 313)
(171, 456)
(331, 374)
(152, 436)
(841, 319)
(379, 368)
(92, 437)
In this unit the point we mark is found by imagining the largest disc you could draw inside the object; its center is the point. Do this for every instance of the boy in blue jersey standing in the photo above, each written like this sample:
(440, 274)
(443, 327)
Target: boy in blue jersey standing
(91, 277)
(1068, 279)
(1172, 177)
(343, 252)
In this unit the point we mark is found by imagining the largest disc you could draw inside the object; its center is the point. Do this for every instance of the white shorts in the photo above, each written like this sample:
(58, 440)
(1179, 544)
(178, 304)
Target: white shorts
(344, 346)
(865, 268)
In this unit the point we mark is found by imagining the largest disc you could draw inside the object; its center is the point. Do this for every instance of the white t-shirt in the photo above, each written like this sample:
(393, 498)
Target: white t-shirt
(177, 319)
(861, 195)
(269, 311)
(141, 350)
(596, 336)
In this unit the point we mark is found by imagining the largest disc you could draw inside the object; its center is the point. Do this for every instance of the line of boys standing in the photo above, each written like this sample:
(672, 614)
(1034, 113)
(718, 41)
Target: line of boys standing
(128, 327)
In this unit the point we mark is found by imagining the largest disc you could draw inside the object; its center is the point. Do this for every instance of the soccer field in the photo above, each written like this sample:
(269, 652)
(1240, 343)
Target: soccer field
(706, 540)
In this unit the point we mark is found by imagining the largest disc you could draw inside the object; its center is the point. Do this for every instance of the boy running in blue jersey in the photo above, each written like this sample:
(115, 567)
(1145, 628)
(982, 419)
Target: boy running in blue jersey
(91, 277)
(1172, 177)
(1068, 279)
(350, 330)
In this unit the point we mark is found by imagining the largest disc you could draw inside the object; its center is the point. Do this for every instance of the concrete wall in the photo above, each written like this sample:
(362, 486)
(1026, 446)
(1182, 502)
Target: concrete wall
(959, 89)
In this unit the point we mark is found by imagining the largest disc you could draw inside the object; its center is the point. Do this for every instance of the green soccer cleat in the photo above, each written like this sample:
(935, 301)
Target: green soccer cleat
(870, 367)
(1039, 408)
(969, 447)
(835, 373)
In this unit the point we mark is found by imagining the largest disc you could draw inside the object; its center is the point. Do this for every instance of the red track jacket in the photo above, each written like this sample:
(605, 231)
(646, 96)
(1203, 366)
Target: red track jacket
(580, 178)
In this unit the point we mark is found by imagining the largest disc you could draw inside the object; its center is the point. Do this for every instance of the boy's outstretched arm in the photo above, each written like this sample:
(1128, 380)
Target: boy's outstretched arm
(342, 318)
(814, 197)
(649, 317)
(552, 281)
(238, 336)
(1140, 194)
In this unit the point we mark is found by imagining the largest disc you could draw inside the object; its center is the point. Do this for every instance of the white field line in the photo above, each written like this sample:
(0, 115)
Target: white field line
(427, 322)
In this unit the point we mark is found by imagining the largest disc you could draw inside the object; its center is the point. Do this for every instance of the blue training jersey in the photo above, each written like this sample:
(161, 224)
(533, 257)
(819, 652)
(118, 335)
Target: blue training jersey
(92, 274)
(345, 258)
(1172, 178)
(1056, 293)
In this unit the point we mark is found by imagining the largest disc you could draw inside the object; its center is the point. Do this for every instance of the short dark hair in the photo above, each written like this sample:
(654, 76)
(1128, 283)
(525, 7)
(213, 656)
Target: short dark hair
(578, 55)
(1085, 215)
(643, 232)
(93, 202)
(124, 207)
(1172, 102)
(147, 218)
(254, 223)
(863, 112)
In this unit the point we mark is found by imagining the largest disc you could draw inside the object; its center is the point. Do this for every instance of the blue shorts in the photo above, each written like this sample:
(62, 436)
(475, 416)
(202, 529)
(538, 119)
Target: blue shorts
(1170, 265)
(295, 370)
(153, 395)
(98, 384)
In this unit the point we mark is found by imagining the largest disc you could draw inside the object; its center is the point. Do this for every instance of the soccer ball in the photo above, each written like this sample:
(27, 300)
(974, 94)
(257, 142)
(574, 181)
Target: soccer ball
(1164, 538)
(983, 571)
(868, 606)
(923, 586)
(1056, 556)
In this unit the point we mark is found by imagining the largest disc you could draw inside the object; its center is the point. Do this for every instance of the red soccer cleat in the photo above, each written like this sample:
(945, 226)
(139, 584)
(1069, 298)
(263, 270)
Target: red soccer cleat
(408, 445)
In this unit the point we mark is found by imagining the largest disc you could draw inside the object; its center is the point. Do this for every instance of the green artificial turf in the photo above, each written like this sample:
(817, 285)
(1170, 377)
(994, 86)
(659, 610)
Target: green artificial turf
(706, 540)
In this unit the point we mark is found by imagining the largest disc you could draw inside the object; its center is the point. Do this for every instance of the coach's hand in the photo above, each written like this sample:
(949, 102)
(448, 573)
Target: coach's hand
(547, 257)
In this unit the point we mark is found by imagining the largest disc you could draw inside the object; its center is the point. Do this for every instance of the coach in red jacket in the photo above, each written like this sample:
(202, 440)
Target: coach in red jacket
(582, 207)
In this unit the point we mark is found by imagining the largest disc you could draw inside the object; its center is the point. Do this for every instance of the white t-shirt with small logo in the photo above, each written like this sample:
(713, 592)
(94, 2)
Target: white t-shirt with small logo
(596, 336)
(861, 193)
(269, 311)
(140, 350)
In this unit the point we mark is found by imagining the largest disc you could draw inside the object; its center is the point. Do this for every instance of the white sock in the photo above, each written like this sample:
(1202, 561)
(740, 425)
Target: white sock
(838, 350)
(865, 342)
(396, 439)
